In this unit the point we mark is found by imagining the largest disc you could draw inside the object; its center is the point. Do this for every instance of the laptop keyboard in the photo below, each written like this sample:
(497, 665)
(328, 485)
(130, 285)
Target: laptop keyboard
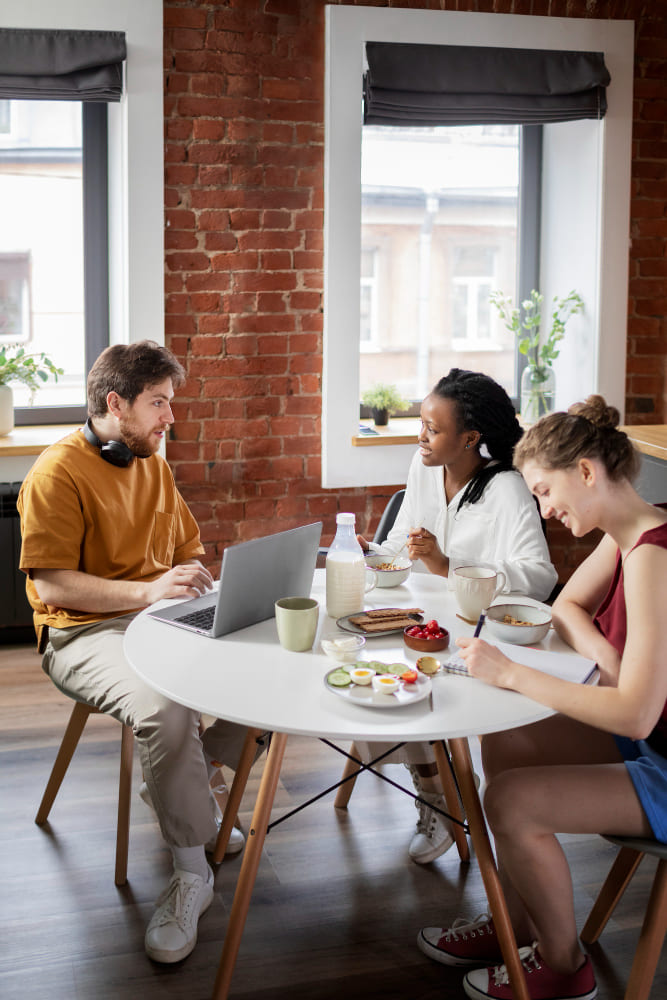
(199, 619)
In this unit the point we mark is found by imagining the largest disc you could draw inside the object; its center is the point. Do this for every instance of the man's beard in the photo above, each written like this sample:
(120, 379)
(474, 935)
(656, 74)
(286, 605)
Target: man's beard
(141, 446)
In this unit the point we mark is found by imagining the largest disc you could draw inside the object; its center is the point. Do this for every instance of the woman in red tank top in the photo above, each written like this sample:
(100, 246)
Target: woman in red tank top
(600, 764)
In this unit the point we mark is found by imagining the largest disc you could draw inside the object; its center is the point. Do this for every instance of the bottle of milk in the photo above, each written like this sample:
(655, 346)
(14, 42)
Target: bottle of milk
(345, 570)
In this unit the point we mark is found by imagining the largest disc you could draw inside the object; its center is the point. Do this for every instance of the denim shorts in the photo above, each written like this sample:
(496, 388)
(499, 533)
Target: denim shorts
(648, 770)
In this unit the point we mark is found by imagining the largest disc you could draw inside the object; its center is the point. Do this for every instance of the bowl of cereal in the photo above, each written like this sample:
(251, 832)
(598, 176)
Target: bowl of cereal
(389, 574)
(521, 624)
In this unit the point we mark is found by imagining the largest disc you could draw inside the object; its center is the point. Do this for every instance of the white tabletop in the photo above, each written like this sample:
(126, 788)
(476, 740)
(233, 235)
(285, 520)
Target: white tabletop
(248, 678)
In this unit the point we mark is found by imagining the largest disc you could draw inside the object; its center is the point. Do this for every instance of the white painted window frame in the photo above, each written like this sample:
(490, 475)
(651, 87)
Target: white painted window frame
(585, 209)
(136, 163)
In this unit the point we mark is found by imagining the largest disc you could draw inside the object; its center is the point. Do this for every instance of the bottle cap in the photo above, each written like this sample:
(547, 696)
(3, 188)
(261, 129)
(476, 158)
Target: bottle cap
(345, 519)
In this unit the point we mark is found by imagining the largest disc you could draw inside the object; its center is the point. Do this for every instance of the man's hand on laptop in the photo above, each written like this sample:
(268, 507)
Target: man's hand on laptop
(188, 579)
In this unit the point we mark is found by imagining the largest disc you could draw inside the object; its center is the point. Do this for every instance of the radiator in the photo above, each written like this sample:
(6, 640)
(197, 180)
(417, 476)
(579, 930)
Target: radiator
(14, 607)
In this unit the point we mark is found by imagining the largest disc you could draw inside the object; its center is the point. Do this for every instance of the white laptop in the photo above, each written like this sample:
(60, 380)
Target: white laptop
(253, 576)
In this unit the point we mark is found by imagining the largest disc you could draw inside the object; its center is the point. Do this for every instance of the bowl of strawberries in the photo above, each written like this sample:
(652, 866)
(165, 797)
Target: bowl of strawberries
(427, 638)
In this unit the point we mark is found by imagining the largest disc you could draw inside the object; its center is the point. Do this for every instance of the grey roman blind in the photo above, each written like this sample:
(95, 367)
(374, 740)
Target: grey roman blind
(61, 65)
(408, 84)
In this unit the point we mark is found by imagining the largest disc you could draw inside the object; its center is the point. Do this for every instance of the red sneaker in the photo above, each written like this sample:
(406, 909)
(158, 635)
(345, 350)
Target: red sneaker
(465, 943)
(543, 983)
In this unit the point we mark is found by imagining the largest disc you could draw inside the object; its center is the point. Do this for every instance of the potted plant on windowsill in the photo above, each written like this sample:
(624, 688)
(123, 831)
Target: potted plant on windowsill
(538, 381)
(30, 370)
(383, 398)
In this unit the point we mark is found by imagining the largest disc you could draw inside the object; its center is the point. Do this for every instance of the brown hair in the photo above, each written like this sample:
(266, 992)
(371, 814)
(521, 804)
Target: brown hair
(128, 369)
(587, 430)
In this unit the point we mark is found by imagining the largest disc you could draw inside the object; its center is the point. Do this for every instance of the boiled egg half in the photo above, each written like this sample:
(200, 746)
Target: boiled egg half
(386, 683)
(362, 675)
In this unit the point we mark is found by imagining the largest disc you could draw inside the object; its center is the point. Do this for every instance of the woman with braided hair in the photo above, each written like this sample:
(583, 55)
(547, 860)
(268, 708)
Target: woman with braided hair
(464, 504)
(599, 765)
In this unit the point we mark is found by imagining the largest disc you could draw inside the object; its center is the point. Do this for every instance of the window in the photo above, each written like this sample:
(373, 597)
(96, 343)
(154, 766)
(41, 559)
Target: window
(472, 281)
(15, 311)
(133, 146)
(52, 176)
(443, 203)
(368, 307)
(583, 197)
(5, 117)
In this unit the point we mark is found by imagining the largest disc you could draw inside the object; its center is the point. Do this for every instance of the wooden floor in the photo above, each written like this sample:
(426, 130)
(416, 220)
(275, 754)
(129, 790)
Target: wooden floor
(336, 908)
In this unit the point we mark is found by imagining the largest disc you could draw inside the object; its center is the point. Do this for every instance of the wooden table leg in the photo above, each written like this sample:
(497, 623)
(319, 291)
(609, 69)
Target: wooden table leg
(239, 783)
(460, 752)
(249, 865)
(344, 792)
(451, 797)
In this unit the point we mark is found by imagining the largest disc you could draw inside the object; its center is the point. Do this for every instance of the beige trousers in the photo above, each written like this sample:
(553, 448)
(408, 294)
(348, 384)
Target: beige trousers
(86, 663)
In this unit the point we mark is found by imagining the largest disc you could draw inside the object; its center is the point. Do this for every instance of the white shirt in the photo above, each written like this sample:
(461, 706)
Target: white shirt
(502, 530)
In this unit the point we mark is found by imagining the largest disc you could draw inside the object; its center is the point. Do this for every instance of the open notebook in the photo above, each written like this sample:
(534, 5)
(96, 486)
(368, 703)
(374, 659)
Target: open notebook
(568, 666)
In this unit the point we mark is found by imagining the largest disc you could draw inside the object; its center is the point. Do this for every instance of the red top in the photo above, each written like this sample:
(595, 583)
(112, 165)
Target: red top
(611, 618)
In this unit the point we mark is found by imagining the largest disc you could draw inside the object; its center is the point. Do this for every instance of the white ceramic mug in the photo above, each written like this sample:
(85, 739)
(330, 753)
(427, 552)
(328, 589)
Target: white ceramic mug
(296, 621)
(475, 588)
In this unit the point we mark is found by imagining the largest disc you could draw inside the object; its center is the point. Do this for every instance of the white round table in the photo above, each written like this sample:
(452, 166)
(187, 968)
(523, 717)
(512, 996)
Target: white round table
(246, 677)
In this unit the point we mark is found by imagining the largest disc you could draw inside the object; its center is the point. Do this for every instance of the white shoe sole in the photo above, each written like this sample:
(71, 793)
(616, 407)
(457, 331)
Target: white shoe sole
(435, 953)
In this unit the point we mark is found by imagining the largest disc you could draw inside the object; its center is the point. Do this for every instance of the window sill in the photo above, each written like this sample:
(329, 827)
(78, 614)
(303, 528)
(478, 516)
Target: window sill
(33, 440)
(649, 439)
(401, 430)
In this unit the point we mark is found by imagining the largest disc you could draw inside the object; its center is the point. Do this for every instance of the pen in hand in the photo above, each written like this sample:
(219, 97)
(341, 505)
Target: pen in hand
(455, 664)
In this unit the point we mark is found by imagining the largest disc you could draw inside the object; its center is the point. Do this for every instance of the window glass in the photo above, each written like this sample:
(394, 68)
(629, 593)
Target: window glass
(438, 235)
(41, 241)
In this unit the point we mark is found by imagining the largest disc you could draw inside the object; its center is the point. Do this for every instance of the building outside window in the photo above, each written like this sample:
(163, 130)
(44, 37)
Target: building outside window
(368, 311)
(442, 203)
(53, 191)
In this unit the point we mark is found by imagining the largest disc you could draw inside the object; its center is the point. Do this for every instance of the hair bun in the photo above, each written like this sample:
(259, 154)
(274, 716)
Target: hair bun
(596, 410)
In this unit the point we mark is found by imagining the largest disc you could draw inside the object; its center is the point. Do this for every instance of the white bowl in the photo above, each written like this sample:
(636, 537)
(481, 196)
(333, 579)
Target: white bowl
(520, 635)
(345, 649)
(389, 577)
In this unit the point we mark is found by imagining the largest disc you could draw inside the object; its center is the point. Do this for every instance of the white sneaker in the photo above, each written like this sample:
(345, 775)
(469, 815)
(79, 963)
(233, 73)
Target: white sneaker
(236, 838)
(434, 834)
(172, 931)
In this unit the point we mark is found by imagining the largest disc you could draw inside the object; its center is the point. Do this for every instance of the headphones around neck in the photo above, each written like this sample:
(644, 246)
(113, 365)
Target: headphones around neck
(115, 452)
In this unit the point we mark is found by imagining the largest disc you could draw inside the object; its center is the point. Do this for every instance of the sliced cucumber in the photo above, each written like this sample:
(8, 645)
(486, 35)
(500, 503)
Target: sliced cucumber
(339, 678)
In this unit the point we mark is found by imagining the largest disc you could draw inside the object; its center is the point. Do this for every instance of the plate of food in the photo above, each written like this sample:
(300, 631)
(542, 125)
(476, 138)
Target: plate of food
(379, 622)
(374, 684)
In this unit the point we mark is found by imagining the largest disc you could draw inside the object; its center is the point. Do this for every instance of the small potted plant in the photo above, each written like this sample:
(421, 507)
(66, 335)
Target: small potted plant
(382, 398)
(30, 370)
(538, 381)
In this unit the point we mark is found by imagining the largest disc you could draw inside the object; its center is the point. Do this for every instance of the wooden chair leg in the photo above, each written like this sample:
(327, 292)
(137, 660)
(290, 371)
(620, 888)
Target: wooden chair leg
(231, 809)
(344, 792)
(75, 727)
(622, 870)
(650, 940)
(124, 796)
(451, 796)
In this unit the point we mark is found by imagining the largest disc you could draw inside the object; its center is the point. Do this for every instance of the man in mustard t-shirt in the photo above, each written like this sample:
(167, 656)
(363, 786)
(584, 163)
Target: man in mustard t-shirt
(106, 533)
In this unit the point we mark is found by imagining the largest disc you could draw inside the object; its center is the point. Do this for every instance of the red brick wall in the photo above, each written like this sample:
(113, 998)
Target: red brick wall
(244, 147)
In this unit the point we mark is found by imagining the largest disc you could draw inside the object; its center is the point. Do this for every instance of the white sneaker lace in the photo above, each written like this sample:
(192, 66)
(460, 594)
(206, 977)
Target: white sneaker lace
(462, 928)
(175, 903)
(427, 819)
(529, 960)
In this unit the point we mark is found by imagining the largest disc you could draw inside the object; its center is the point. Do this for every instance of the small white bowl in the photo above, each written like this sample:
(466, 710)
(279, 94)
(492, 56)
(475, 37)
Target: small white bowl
(393, 577)
(344, 650)
(520, 635)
